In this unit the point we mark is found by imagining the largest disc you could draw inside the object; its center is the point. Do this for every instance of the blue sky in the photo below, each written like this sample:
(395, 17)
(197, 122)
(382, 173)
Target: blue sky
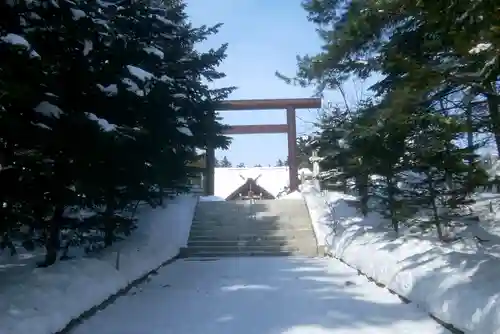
(263, 36)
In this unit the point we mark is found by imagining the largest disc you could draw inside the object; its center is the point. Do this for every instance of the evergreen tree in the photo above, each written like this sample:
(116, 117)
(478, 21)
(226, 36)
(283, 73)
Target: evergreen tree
(304, 152)
(331, 143)
(240, 165)
(438, 86)
(225, 162)
(124, 131)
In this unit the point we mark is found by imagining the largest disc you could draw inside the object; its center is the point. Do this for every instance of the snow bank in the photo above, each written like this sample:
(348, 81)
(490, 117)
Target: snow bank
(292, 195)
(457, 283)
(44, 301)
(321, 218)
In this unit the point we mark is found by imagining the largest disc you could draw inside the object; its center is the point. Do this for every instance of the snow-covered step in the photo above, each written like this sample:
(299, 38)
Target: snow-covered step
(239, 243)
(252, 248)
(249, 251)
(244, 237)
(244, 228)
(271, 238)
(254, 223)
(228, 229)
(193, 254)
(234, 234)
(223, 245)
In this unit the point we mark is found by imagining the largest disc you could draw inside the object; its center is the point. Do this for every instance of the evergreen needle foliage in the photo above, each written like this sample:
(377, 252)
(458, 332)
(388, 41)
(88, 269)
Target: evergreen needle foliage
(103, 105)
(409, 148)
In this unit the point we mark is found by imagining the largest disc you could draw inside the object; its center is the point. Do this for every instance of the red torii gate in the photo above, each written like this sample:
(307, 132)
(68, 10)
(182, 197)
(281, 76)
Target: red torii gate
(290, 128)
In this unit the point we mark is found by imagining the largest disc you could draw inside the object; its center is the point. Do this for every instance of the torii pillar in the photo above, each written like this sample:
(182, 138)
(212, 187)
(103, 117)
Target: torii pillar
(290, 128)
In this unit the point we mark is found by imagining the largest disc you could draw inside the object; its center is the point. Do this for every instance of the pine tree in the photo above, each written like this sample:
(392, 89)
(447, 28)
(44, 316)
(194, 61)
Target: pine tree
(331, 143)
(124, 132)
(57, 109)
(304, 152)
(430, 67)
(225, 163)
(21, 85)
(442, 181)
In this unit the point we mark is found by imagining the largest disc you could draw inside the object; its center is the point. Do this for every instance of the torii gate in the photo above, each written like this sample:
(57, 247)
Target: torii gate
(290, 128)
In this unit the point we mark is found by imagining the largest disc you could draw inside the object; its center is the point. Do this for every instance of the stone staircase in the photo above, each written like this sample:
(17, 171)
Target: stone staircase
(251, 228)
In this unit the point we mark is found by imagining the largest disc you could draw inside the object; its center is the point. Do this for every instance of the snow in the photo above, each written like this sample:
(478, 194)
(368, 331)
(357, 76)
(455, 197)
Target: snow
(292, 195)
(48, 109)
(133, 87)
(259, 295)
(211, 199)
(105, 4)
(139, 73)
(155, 51)
(78, 14)
(227, 180)
(166, 78)
(316, 159)
(54, 3)
(43, 301)
(34, 54)
(481, 47)
(456, 282)
(185, 130)
(87, 47)
(77, 213)
(41, 125)
(320, 214)
(103, 124)
(110, 90)
(165, 20)
(18, 40)
(305, 171)
(101, 22)
(15, 39)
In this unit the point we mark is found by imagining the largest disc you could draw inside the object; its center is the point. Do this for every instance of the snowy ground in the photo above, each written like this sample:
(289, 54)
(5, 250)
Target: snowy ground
(259, 296)
(457, 282)
(211, 199)
(42, 301)
(292, 195)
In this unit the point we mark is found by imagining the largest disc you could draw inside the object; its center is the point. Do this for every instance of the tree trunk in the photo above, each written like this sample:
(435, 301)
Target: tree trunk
(8, 243)
(53, 240)
(162, 195)
(435, 212)
(391, 193)
(437, 220)
(362, 187)
(134, 210)
(470, 135)
(109, 224)
(495, 119)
